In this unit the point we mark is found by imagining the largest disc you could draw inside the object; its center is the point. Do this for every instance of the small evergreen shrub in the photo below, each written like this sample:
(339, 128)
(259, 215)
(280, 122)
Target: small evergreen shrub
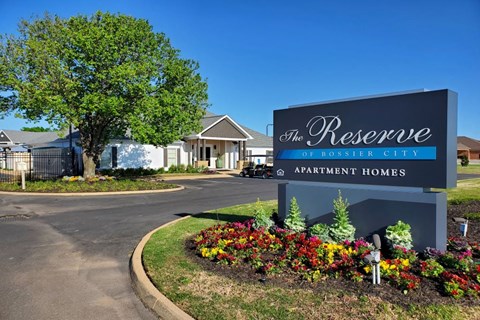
(262, 218)
(464, 161)
(321, 231)
(191, 169)
(341, 229)
(294, 221)
(173, 169)
(399, 235)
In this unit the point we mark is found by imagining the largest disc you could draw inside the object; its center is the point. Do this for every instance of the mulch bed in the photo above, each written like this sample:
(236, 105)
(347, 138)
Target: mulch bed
(429, 293)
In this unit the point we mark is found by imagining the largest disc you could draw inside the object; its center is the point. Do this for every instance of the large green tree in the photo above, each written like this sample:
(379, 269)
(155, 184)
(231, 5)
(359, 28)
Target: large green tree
(108, 75)
(36, 129)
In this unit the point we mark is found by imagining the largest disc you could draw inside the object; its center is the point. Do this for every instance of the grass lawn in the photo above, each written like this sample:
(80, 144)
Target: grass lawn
(470, 169)
(466, 190)
(205, 295)
(59, 186)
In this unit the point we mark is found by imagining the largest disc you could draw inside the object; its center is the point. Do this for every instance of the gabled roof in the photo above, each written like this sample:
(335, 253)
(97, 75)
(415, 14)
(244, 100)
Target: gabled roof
(221, 127)
(255, 140)
(31, 139)
(259, 139)
(461, 146)
(472, 144)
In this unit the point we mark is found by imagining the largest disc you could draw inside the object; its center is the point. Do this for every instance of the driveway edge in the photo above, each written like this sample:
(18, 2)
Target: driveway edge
(86, 194)
(146, 291)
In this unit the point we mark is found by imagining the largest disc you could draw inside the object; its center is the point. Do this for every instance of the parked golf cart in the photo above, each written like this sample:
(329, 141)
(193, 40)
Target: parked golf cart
(247, 167)
(263, 170)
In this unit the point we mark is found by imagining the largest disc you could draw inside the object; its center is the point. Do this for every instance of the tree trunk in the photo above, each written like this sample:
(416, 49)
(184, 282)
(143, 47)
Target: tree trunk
(88, 166)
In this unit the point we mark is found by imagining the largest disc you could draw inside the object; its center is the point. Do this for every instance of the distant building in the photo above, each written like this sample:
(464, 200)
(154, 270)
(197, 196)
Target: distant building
(468, 147)
(15, 140)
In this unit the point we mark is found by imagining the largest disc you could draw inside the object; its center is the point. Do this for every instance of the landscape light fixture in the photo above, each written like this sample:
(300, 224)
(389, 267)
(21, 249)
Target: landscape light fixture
(373, 259)
(263, 279)
(463, 225)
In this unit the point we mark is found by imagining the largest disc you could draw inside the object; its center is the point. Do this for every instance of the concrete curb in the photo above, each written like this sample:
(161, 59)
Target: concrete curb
(87, 194)
(199, 177)
(146, 291)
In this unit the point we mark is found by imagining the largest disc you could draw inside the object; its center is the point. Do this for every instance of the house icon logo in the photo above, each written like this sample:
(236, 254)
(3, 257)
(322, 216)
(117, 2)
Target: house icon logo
(280, 173)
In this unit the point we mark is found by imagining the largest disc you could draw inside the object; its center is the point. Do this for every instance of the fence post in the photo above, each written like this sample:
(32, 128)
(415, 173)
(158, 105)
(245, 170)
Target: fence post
(30, 170)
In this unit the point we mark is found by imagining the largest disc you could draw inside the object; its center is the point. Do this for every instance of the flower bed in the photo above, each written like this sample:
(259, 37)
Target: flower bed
(274, 251)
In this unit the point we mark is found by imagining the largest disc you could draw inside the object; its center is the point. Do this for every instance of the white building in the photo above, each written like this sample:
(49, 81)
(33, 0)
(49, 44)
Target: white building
(221, 144)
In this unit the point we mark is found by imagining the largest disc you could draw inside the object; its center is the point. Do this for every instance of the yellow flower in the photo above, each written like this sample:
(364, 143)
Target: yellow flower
(242, 240)
(367, 269)
(406, 262)
(205, 252)
(384, 265)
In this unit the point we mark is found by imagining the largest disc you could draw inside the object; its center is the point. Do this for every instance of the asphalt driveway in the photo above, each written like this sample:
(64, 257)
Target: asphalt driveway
(67, 257)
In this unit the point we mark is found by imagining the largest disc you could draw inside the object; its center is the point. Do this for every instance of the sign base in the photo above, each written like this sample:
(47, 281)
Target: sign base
(373, 208)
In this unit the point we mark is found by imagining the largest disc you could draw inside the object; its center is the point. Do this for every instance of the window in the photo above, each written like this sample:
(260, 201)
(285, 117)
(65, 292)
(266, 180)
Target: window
(114, 157)
(171, 157)
(106, 159)
(109, 158)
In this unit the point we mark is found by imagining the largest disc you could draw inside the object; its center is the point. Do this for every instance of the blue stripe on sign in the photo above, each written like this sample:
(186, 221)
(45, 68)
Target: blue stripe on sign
(407, 153)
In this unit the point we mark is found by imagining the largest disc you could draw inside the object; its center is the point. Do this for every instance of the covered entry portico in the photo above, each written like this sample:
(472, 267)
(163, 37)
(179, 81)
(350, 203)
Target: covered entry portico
(220, 145)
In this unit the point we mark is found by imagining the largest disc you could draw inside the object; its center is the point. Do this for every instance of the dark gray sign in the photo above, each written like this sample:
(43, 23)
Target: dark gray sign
(398, 140)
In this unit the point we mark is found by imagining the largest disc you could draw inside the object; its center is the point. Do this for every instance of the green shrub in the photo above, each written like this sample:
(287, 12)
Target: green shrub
(294, 221)
(341, 229)
(262, 218)
(399, 235)
(129, 172)
(191, 169)
(464, 161)
(173, 169)
(322, 231)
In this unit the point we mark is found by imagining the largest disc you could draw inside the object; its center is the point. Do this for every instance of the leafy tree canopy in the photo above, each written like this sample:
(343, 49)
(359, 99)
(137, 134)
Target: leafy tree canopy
(108, 75)
(36, 129)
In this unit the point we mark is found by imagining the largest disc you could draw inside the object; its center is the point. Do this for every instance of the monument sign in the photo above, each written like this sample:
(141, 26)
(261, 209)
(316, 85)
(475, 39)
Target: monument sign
(384, 153)
(400, 140)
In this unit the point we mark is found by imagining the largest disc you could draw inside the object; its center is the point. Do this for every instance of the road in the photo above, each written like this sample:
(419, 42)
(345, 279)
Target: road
(67, 257)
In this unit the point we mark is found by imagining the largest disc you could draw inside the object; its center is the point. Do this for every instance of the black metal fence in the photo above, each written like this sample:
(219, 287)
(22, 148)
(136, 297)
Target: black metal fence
(40, 164)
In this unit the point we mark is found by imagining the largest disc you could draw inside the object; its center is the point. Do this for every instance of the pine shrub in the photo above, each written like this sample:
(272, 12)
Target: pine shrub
(294, 221)
(262, 218)
(341, 229)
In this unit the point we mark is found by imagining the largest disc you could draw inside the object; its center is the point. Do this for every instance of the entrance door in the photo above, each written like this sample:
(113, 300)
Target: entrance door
(208, 154)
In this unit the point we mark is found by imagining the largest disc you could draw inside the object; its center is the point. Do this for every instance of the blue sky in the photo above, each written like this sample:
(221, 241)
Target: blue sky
(259, 56)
